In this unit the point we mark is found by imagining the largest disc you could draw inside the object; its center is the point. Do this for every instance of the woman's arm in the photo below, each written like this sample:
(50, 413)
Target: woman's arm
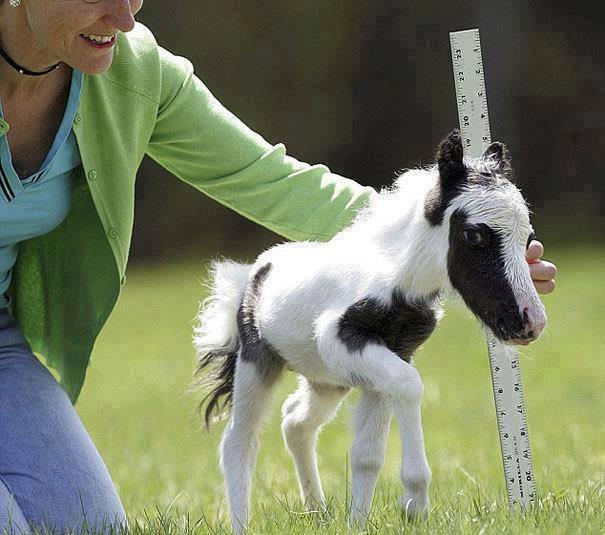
(205, 145)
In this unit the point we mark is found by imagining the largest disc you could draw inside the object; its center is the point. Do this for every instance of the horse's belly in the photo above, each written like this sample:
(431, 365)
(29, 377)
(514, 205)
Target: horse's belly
(300, 354)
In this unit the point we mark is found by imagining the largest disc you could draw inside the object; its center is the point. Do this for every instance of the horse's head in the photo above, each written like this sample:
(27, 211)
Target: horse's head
(489, 232)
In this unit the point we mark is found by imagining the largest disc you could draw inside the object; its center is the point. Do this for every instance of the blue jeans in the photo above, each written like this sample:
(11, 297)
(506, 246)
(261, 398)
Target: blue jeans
(51, 474)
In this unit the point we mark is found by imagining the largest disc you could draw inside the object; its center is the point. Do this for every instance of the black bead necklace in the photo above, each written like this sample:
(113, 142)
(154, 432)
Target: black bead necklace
(22, 70)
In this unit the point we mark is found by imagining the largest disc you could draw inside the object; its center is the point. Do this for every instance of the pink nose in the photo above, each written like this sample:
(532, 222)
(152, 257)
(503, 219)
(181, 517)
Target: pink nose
(534, 324)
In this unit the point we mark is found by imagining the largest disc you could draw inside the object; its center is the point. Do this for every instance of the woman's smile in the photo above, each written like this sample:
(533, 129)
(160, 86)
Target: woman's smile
(99, 41)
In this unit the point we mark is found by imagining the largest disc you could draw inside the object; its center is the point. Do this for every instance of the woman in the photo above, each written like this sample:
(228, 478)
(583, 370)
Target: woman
(84, 94)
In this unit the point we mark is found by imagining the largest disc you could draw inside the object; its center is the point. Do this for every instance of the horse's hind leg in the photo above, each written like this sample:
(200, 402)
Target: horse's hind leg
(304, 412)
(252, 391)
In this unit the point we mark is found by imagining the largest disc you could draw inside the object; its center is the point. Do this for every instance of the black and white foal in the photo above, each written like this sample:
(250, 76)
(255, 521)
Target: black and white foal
(351, 313)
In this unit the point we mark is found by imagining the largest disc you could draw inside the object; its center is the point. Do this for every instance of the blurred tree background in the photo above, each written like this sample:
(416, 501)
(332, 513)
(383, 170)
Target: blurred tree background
(366, 88)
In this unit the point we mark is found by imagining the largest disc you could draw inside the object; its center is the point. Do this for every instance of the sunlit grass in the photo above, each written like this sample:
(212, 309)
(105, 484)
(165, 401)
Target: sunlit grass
(145, 425)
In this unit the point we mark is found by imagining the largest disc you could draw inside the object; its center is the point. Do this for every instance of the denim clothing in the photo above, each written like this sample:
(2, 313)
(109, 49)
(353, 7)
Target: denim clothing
(50, 471)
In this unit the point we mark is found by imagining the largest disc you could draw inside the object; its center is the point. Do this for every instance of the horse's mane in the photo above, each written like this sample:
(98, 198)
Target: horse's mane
(412, 185)
(408, 188)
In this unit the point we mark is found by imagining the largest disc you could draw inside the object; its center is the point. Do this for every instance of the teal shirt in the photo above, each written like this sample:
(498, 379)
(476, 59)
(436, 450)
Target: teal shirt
(35, 205)
(65, 283)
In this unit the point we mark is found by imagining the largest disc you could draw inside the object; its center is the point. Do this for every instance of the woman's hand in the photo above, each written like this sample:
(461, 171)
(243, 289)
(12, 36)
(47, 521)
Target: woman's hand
(542, 272)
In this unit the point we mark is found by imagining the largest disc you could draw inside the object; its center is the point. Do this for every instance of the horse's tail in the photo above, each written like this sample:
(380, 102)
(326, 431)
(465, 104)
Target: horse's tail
(216, 338)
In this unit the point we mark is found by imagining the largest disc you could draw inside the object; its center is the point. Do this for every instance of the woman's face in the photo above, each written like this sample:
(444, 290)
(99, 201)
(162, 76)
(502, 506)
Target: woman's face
(57, 27)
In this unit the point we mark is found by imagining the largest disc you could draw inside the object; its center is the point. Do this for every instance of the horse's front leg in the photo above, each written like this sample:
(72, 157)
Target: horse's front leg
(375, 368)
(415, 470)
(371, 423)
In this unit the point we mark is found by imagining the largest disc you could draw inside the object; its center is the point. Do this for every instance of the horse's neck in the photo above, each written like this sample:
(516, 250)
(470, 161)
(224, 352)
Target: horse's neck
(396, 230)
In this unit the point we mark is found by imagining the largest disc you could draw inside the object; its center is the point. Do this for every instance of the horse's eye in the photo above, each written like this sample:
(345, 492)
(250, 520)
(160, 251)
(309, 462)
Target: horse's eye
(472, 237)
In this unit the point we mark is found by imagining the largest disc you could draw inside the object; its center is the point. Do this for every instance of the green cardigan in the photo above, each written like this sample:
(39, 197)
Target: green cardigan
(66, 283)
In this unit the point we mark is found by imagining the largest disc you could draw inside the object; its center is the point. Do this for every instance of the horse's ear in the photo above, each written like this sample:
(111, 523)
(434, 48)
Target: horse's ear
(449, 160)
(499, 153)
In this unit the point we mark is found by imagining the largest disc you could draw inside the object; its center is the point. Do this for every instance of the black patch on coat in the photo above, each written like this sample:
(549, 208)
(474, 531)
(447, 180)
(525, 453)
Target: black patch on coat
(254, 349)
(436, 203)
(477, 273)
(401, 326)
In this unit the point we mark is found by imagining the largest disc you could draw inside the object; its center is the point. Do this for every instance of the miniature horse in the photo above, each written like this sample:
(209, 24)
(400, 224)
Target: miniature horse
(351, 312)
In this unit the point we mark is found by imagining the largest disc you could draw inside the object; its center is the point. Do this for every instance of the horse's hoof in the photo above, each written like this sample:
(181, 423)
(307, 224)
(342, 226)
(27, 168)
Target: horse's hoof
(414, 506)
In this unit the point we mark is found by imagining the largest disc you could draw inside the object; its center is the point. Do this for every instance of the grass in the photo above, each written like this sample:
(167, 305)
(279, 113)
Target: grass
(164, 464)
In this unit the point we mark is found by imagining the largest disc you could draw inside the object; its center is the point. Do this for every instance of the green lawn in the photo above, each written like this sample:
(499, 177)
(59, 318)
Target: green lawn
(143, 421)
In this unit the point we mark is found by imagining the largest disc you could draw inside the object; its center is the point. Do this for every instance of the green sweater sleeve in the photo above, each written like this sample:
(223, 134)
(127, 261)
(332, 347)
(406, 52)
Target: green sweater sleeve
(205, 145)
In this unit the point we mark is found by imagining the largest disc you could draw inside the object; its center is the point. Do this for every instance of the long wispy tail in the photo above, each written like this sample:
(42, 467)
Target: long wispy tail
(215, 335)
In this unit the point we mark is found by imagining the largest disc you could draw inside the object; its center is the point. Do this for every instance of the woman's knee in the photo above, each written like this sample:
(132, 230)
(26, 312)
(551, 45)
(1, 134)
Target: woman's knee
(47, 459)
(79, 512)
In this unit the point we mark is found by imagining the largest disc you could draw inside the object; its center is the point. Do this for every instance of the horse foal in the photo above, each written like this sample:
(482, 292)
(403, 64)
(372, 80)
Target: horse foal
(351, 312)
